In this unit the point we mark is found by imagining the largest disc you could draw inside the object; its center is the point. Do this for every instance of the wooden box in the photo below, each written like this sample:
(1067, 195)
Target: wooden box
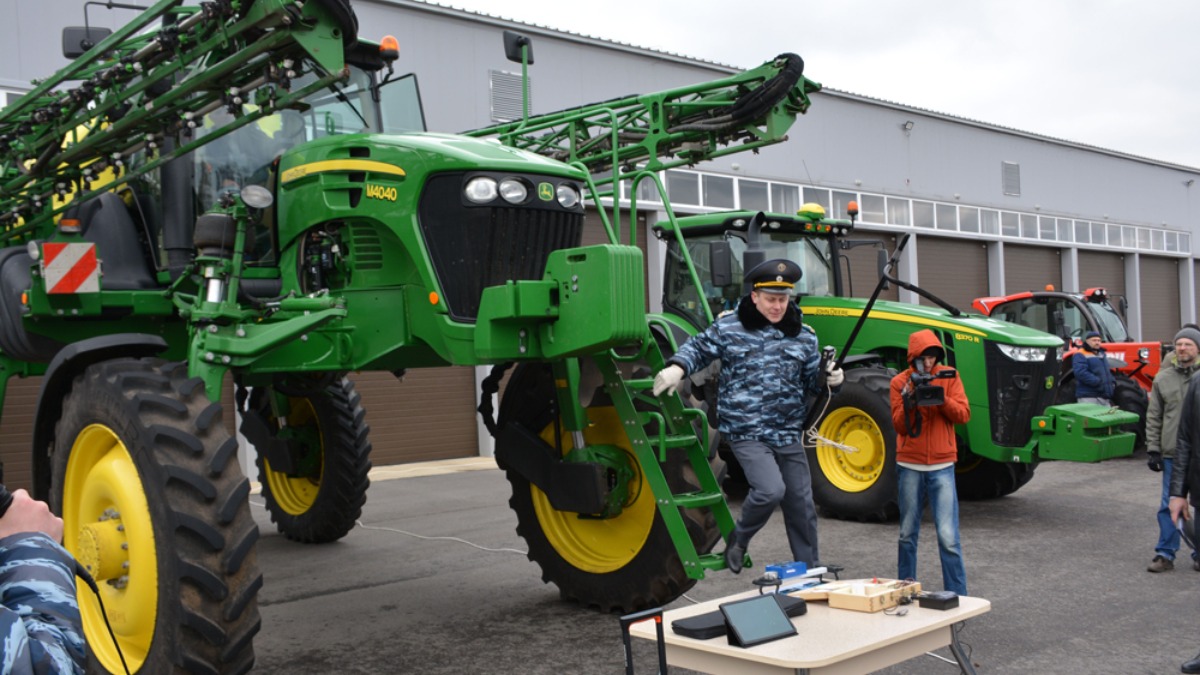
(862, 595)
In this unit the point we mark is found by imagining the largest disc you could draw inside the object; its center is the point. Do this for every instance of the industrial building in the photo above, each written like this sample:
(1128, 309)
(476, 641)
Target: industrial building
(993, 210)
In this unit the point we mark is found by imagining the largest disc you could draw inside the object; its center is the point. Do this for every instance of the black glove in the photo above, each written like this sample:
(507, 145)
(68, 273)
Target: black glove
(1155, 461)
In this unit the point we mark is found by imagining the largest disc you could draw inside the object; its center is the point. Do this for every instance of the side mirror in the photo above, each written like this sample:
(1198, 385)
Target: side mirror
(881, 257)
(720, 258)
(76, 40)
(513, 42)
(1124, 305)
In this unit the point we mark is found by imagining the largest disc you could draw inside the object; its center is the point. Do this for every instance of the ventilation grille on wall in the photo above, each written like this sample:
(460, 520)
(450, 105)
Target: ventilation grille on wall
(506, 95)
(1010, 178)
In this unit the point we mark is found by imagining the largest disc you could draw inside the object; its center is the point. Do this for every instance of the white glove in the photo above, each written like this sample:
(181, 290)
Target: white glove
(667, 379)
(833, 375)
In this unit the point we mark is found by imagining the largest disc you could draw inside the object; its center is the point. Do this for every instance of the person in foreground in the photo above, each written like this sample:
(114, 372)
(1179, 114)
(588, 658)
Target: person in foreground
(926, 450)
(770, 363)
(40, 627)
(1185, 475)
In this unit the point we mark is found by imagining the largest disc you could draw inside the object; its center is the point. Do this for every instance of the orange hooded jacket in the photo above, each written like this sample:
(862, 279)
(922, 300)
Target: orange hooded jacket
(935, 444)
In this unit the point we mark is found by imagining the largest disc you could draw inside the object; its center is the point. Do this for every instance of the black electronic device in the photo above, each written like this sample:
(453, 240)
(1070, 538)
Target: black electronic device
(712, 624)
(938, 600)
(755, 621)
(926, 394)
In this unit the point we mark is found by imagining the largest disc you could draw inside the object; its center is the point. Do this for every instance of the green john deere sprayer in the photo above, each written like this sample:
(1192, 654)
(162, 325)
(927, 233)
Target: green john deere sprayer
(207, 192)
(1009, 371)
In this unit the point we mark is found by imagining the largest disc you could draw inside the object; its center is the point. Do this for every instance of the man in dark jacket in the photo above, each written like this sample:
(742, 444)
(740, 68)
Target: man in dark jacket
(1093, 379)
(1185, 478)
(769, 364)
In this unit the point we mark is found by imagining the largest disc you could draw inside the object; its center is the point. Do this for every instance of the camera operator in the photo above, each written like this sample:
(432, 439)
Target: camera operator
(927, 401)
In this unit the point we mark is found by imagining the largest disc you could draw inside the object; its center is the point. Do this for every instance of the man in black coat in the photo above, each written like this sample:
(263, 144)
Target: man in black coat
(1185, 476)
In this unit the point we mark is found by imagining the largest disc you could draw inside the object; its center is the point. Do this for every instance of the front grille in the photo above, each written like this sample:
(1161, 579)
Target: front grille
(473, 247)
(1017, 392)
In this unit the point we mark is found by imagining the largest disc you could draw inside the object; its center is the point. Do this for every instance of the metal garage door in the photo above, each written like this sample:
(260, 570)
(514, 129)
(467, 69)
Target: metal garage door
(860, 265)
(429, 415)
(1102, 269)
(955, 270)
(1031, 268)
(1160, 298)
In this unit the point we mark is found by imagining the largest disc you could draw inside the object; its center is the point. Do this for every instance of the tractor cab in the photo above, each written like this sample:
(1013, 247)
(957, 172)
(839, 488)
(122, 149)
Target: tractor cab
(717, 245)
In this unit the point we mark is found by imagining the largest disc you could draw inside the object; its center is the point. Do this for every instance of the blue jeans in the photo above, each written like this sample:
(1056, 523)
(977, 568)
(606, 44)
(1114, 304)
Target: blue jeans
(1168, 535)
(938, 489)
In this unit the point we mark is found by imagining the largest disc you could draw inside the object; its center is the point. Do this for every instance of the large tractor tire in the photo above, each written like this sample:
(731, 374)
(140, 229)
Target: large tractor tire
(1128, 395)
(979, 478)
(323, 499)
(858, 485)
(153, 502)
(618, 564)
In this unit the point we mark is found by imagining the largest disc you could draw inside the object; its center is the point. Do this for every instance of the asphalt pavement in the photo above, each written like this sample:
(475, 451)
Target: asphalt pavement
(436, 581)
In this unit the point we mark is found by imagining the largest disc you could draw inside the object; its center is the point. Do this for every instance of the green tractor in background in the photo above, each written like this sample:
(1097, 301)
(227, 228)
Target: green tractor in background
(1009, 371)
(212, 192)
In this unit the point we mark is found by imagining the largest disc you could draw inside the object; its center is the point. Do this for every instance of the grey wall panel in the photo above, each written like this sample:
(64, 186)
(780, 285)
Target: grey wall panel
(1031, 268)
(953, 269)
(1160, 298)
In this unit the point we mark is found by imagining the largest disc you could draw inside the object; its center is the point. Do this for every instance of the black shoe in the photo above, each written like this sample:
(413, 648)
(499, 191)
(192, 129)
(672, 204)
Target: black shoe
(1192, 666)
(735, 556)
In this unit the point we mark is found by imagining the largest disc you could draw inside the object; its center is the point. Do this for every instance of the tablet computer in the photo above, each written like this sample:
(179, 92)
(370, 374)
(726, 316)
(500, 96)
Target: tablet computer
(756, 620)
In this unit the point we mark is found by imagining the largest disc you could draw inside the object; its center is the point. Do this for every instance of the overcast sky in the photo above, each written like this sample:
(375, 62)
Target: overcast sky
(1117, 74)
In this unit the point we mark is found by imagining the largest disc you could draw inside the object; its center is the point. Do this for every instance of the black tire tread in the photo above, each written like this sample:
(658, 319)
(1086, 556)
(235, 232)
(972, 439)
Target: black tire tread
(173, 454)
(346, 463)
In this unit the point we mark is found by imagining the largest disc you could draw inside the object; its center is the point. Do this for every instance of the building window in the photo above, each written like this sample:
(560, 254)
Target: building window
(785, 198)
(1029, 226)
(1114, 235)
(648, 191)
(922, 214)
(1064, 229)
(1010, 178)
(1082, 232)
(968, 219)
(1046, 228)
(1010, 224)
(873, 209)
(506, 95)
(683, 188)
(989, 221)
(817, 196)
(897, 211)
(753, 195)
(841, 201)
(947, 217)
(1098, 233)
(1185, 242)
(1172, 241)
(1143, 238)
(1157, 240)
(718, 192)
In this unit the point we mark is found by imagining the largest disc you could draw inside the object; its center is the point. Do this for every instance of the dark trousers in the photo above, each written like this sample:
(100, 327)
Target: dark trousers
(778, 476)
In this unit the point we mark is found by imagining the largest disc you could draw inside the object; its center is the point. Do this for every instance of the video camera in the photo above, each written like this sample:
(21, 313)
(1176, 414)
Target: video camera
(922, 392)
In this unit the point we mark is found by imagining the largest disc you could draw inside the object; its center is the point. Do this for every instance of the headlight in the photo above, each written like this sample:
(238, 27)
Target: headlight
(1144, 353)
(513, 191)
(568, 196)
(481, 189)
(1059, 354)
(1018, 353)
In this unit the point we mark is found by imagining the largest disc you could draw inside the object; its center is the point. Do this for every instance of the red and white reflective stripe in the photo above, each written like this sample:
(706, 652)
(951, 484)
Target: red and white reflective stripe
(70, 268)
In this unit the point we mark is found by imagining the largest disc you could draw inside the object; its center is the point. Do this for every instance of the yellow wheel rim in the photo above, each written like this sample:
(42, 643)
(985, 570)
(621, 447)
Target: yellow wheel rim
(108, 527)
(851, 471)
(598, 545)
(296, 495)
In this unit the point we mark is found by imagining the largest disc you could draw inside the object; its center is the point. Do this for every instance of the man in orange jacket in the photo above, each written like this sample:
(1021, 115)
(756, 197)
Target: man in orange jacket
(927, 401)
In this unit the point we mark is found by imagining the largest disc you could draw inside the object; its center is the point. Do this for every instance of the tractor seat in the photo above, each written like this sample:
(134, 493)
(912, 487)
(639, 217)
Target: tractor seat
(107, 223)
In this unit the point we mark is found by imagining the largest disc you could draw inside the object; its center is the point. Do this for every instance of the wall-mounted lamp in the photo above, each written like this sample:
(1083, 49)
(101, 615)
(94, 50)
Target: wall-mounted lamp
(908, 125)
(1188, 182)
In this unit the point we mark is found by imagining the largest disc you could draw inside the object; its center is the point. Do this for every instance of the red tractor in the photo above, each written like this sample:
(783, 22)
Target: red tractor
(1071, 316)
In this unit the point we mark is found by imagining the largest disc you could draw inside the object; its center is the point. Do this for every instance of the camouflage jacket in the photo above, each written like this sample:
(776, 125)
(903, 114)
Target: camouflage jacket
(766, 372)
(39, 620)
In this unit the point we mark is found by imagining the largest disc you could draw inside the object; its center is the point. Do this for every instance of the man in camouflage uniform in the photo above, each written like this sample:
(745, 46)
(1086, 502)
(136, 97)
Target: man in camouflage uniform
(769, 364)
(40, 627)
